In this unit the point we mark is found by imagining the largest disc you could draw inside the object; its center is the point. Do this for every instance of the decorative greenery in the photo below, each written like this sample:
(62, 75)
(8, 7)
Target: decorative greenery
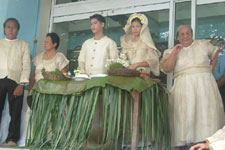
(64, 121)
(56, 72)
(53, 75)
(120, 62)
(115, 65)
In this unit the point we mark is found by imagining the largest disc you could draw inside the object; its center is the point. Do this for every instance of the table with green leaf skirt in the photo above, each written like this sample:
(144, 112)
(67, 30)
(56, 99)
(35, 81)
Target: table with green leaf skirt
(63, 112)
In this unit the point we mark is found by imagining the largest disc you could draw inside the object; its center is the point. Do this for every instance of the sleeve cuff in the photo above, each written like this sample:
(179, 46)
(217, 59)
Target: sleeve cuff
(212, 139)
(23, 83)
(218, 145)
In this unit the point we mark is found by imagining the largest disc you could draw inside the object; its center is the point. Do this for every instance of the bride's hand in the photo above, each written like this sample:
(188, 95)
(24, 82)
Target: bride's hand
(201, 146)
(132, 67)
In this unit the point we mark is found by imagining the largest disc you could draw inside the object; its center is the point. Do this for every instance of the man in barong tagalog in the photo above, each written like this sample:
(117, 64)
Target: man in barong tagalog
(195, 105)
(95, 51)
(92, 59)
(138, 46)
(14, 75)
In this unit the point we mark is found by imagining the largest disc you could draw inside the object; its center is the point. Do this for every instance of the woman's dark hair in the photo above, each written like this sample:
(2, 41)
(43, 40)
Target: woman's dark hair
(12, 19)
(136, 19)
(98, 17)
(55, 38)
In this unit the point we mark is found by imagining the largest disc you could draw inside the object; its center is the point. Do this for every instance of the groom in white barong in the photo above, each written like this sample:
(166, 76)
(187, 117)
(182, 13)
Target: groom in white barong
(95, 51)
(92, 61)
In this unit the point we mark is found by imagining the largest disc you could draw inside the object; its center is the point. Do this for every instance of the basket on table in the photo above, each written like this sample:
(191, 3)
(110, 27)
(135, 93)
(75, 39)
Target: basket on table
(123, 72)
(56, 75)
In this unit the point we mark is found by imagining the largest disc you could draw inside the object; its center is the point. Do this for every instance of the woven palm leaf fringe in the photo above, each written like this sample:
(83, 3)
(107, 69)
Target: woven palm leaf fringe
(155, 129)
(63, 122)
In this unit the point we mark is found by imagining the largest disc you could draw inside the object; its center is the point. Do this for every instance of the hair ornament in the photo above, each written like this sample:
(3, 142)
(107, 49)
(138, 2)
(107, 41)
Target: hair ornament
(139, 17)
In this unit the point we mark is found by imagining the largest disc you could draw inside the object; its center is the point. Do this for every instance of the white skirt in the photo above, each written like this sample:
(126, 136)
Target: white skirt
(195, 107)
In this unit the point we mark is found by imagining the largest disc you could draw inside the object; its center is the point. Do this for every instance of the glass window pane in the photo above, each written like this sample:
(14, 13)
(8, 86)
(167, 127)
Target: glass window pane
(114, 27)
(159, 27)
(72, 35)
(65, 1)
(183, 16)
(210, 20)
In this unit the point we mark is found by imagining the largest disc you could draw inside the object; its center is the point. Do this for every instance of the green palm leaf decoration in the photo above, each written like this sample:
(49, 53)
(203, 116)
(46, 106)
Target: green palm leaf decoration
(66, 120)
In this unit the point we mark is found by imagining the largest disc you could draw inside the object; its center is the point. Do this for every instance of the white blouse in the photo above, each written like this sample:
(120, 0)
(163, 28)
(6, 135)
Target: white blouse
(59, 61)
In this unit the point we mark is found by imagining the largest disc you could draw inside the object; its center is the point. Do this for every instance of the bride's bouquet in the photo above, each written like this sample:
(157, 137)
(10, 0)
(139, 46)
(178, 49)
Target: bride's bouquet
(118, 67)
(120, 62)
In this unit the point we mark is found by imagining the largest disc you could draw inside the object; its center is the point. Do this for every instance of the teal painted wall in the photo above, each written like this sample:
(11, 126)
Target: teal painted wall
(28, 14)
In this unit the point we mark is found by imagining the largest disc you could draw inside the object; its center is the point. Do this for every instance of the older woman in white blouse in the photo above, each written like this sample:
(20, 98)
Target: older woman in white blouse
(50, 59)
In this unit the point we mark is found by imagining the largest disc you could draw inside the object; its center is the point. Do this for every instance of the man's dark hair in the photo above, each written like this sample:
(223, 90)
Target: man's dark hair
(12, 19)
(55, 38)
(98, 17)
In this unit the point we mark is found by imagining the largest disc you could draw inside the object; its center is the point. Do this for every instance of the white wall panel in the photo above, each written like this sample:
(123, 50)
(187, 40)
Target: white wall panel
(99, 5)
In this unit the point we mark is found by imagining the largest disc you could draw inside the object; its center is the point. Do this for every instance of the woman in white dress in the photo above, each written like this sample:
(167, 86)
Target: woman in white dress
(195, 104)
(50, 59)
(138, 46)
